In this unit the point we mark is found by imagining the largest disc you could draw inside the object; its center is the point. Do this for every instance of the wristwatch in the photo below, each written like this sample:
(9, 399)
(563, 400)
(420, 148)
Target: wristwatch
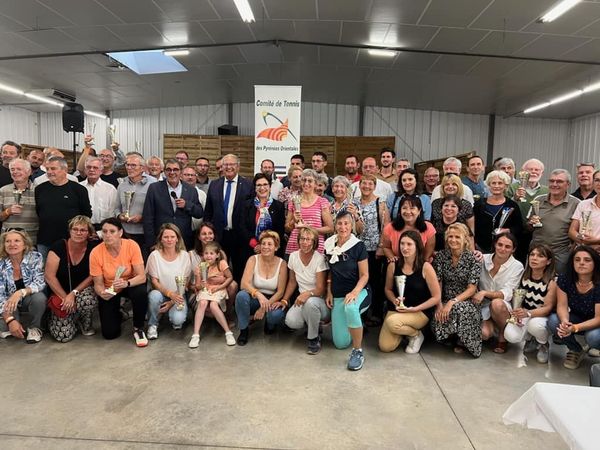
(75, 291)
(23, 293)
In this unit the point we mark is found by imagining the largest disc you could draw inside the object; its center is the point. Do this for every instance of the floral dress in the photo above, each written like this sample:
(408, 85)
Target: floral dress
(370, 235)
(464, 320)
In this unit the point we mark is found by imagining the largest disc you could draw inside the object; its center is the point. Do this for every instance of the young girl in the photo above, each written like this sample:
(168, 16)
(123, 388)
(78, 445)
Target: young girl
(213, 292)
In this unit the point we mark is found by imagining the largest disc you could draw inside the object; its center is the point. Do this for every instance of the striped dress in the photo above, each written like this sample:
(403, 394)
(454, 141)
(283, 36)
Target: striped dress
(311, 215)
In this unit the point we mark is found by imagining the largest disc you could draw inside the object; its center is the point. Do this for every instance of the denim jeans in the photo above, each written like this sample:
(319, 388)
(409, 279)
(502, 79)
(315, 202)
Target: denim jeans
(592, 337)
(176, 316)
(245, 306)
(35, 305)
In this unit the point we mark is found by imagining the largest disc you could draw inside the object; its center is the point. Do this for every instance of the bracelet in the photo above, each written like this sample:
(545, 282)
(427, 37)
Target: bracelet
(9, 320)
(574, 329)
(285, 302)
(253, 292)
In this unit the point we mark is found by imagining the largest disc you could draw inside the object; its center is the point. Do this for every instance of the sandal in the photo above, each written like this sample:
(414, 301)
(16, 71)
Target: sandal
(459, 349)
(500, 347)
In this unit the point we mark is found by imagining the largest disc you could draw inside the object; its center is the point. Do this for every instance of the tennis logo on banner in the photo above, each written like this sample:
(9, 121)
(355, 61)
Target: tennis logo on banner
(277, 125)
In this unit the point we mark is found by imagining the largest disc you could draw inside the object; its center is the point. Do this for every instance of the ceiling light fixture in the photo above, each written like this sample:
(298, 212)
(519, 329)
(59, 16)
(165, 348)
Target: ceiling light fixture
(564, 98)
(95, 114)
(11, 89)
(382, 52)
(558, 10)
(176, 52)
(245, 10)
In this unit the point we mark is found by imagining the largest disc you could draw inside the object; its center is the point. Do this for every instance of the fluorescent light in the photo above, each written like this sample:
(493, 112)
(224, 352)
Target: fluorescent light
(564, 98)
(95, 114)
(591, 87)
(382, 52)
(536, 107)
(10, 89)
(558, 10)
(43, 99)
(177, 52)
(244, 9)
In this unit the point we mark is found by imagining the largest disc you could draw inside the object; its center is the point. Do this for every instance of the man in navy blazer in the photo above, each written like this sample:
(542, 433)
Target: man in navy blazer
(226, 216)
(171, 201)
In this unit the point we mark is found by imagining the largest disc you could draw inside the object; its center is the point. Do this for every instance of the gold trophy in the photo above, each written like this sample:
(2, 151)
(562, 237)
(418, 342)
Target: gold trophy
(585, 224)
(297, 199)
(535, 209)
(523, 177)
(517, 301)
(180, 282)
(204, 274)
(120, 271)
(128, 197)
(400, 285)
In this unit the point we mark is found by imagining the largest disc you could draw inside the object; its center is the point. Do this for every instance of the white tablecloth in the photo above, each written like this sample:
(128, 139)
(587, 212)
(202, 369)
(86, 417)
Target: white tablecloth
(571, 411)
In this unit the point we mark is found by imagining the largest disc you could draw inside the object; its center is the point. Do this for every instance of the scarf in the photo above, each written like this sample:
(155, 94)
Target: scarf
(331, 247)
(264, 221)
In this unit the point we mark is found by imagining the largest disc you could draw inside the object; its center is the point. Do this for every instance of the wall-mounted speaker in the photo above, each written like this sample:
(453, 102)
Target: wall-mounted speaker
(72, 117)
(228, 130)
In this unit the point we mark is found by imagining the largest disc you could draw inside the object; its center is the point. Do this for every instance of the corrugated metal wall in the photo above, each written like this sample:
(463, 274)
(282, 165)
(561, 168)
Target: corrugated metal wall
(19, 125)
(584, 141)
(318, 119)
(52, 133)
(521, 138)
(423, 135)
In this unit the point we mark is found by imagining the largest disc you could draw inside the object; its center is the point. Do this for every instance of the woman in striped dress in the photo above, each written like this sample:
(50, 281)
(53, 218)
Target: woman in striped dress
(529, 322)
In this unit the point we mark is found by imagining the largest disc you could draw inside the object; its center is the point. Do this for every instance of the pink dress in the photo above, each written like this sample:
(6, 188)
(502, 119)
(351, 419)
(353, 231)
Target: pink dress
(216, 277)
(313, 216)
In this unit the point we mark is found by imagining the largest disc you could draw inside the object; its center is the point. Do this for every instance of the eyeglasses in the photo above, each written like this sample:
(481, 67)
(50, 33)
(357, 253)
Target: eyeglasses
(171, 169)
(133, 166)
(80, 230)
(266, 185)
(556, 181)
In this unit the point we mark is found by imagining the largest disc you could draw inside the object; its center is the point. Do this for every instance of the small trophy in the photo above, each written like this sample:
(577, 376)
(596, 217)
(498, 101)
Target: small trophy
(535, 209)
(523, 177)
(517, 301)
(180, 282)
(128, 196)
(112, 130)
(506, 212)
(585, 224)
(476, 197)
(400, 284)
(17, 195)
(297, 204)
(204, 274)
(120, 270)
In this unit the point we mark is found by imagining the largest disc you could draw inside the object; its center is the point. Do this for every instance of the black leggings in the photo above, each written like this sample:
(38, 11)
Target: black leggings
(110, 310)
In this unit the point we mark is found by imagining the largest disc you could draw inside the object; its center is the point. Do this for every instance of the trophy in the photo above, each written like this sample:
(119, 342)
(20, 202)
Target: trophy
(476, 197)
(535, 209)
(128, 196)
(506, 212)
(112, 130)
(17, 195)
(517, 301)
(180, 282)
(204, 274)
(120, 270)
(297, 199)
(585, 224)
(89, 138)
(400, 284)
(523, 177)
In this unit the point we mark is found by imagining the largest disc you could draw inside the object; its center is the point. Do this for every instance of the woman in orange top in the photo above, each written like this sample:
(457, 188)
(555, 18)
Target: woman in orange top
(117, 268)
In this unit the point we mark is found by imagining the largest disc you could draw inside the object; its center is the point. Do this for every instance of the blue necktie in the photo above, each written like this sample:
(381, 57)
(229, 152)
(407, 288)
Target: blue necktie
(226, 201)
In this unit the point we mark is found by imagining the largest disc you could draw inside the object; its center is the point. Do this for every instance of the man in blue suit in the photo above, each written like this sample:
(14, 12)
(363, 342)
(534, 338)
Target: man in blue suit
(224, 204)
(171, 201)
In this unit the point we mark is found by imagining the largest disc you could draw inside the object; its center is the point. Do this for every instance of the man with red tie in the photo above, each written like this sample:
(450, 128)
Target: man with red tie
(224, 204)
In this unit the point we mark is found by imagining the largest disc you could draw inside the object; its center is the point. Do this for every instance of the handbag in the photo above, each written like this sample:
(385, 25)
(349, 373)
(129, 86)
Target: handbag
(54, 301)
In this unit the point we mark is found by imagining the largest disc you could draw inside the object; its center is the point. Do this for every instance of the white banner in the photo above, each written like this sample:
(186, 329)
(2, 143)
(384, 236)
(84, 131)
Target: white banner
(276, 125)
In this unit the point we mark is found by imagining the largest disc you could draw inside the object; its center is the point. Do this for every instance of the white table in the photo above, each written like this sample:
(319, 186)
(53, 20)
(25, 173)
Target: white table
(571, 411)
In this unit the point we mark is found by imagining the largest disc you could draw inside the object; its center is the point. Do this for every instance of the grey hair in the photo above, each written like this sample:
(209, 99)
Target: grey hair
(24, 162)
(322, 178)
(506, 162)
(310, 173)
(162, 165)
(501, 174)
(533, 160)
(62, 162)
(341, 179)
(92, 159)
(453, 160)
(561, 172)
(231, 155)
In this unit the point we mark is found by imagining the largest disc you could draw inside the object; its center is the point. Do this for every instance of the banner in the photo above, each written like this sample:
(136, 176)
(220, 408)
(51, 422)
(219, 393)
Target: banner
(276, 125)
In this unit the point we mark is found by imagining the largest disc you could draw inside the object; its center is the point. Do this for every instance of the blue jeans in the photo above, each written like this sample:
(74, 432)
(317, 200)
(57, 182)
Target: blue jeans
(592, 337)
(176, 316)
(245, 306)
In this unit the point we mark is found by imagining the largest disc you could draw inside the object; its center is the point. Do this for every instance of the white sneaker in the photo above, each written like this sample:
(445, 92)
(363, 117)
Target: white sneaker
(34, 335)
(594, 352)
(140, 338)
(414, 343)
(542, 354)
(152, 332)
(194, 341)
(229, 338)
(4, 334)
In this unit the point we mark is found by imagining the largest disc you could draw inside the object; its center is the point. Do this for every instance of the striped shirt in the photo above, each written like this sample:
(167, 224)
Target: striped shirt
(311, 215)
(536, 293)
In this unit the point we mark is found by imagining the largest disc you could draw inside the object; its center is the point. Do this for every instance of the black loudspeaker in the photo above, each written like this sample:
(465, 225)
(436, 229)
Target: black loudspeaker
(72, 117)
(228, 130)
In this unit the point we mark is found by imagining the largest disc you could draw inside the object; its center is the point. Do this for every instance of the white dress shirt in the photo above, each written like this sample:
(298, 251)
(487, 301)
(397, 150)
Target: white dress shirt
(231, 199)
(103, 198)
(506, 280)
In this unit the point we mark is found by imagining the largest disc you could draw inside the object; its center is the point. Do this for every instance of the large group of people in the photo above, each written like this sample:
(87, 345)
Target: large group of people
(463, 261)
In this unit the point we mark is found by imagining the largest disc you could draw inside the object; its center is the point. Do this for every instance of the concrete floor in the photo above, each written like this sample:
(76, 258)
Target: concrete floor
(98, 394)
